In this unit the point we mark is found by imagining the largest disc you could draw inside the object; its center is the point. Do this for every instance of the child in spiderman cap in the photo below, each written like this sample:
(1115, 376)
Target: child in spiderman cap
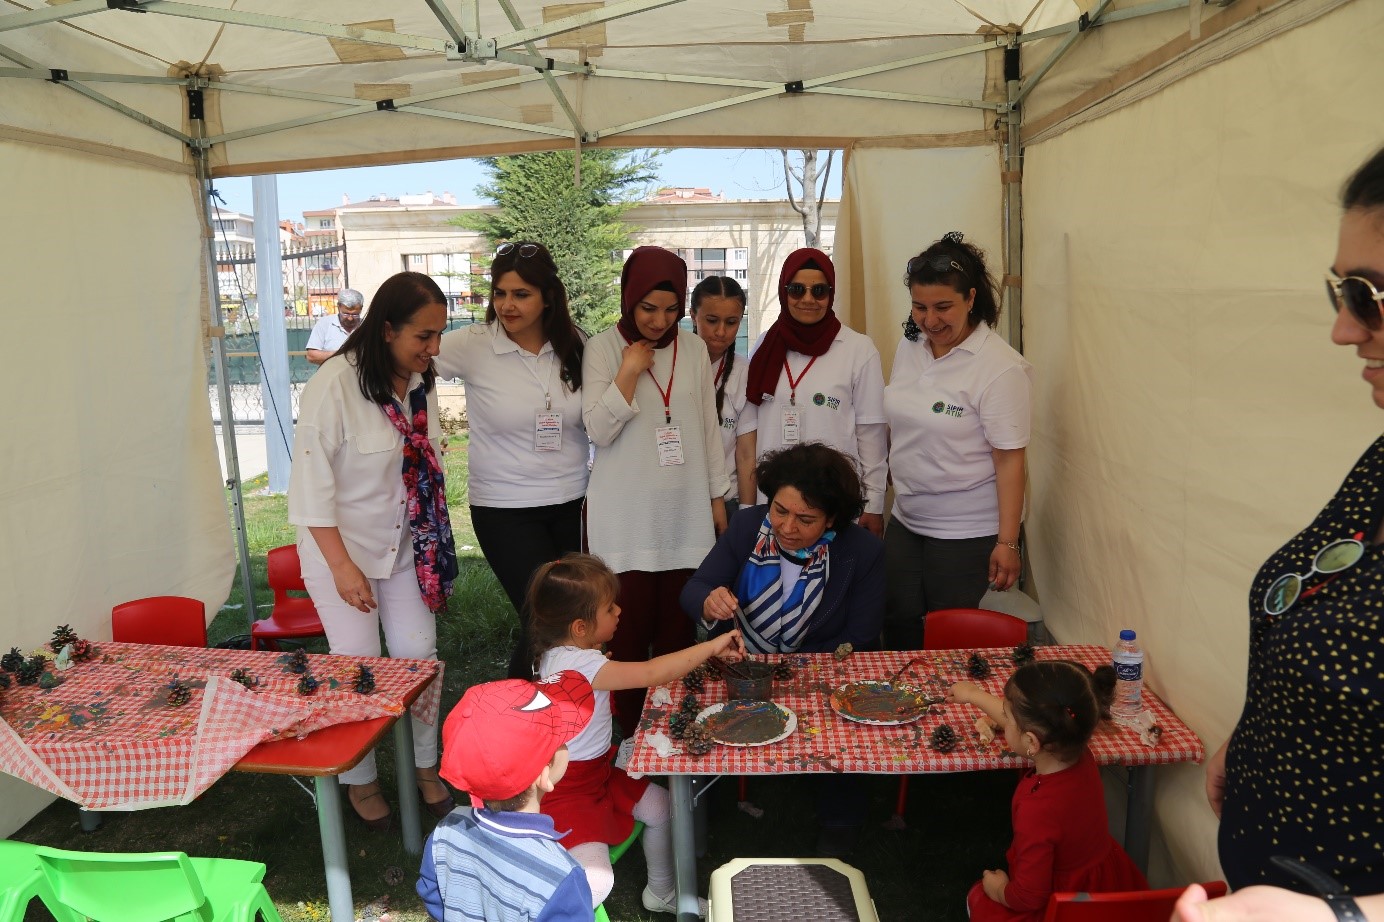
(506, 744)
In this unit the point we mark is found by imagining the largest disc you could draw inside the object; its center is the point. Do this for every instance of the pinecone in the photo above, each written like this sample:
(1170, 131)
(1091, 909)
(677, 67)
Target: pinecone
(82, 650)
(678, 724)
(690, 705)
(307, 685)
(693, 681)
(706, 671)
(4, 680)
(783, 671)
(244, 677)
(12, 660)
(365, 680)
(1023, 653)
(49, 680)
(698, 740)
(178, 693)
(30, 669)
(978, 667)
(943, 739)
(62, 636)
(297, 661)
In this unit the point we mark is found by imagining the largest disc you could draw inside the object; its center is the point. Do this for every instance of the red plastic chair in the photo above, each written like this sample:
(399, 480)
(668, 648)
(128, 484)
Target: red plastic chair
(173, 620)
(960, 629)
(293, 616)
(1130, 906)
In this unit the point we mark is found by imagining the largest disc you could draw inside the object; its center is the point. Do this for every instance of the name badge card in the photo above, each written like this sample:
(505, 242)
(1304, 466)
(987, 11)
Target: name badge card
(792, 425)
(547, 430)
(669, 442)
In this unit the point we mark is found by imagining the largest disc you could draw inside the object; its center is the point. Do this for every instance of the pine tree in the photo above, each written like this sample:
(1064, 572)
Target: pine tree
(537, 198)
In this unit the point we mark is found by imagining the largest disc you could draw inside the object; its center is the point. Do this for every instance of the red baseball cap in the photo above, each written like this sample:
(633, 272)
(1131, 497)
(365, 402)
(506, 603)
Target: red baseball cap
(497, 739)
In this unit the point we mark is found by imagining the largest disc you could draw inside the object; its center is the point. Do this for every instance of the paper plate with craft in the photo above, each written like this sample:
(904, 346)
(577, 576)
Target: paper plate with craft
(881, 704)
(748, 723)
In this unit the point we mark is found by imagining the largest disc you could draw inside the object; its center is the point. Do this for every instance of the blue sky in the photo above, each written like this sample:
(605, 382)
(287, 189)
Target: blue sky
(734, 173)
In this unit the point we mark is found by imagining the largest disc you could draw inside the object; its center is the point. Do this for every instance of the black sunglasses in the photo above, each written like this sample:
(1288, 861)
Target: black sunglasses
(525, 249)
(937, 263)
(1366, 303)
(798, 289)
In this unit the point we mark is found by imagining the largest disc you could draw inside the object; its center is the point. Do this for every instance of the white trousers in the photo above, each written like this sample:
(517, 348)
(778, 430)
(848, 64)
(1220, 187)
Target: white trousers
(410, 632)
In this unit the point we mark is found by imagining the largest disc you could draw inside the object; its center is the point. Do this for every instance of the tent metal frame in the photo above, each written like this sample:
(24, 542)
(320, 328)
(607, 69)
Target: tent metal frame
(465, 44)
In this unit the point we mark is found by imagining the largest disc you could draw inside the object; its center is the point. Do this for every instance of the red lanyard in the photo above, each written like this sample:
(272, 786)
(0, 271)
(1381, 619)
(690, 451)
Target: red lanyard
(794, 382)
(720, 366)
(668, 394)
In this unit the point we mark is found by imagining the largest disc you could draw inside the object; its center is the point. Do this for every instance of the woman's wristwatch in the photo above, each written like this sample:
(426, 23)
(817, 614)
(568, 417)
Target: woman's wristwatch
(1345, 907)
(1341, 903)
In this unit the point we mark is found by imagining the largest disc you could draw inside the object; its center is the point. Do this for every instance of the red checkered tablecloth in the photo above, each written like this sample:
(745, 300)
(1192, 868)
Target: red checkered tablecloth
(827, 742)
(107, 737)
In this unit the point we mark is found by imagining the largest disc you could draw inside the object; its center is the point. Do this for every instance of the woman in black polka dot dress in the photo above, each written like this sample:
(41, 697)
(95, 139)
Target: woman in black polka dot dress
(1303, 773)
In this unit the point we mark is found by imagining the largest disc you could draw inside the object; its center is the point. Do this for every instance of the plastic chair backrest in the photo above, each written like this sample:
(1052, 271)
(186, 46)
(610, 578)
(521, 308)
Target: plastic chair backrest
(959, 628)
(1129, 906)
(125, 888)
(285, 571)
(173, 620)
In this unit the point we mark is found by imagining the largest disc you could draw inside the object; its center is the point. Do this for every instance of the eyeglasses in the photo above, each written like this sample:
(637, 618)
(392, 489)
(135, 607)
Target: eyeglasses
(936, 263)
(1366, 302)
(798, 289)
(1284, 592)
(525, 249)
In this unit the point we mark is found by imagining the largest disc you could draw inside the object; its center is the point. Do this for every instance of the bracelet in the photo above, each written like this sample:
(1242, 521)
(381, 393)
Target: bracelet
(1012, 545)
(1345, 907)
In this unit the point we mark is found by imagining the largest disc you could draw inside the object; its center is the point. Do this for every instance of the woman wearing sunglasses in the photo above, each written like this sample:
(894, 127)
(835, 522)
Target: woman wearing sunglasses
(656, 501)
(958, 408)
(1300, 775)
(528, 447)
(813, 380)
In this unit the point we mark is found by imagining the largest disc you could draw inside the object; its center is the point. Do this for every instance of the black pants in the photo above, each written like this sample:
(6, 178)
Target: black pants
(929, 574)
(516, 542)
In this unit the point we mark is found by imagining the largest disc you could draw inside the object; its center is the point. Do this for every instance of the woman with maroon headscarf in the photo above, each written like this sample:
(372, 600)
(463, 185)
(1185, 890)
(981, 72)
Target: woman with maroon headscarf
(654, 504)
(813, 380)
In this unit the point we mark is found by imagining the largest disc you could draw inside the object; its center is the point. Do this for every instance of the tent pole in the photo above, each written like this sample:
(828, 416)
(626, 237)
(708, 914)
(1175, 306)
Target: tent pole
(1013, 199)
(234, 486)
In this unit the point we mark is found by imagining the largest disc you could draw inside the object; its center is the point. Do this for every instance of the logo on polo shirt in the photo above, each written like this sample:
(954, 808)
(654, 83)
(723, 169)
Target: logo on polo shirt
(950, 409)
(831, 403)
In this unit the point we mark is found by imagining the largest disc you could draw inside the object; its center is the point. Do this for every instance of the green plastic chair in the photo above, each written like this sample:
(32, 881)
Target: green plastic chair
(21, 880)
(156, 887)
(616, 851)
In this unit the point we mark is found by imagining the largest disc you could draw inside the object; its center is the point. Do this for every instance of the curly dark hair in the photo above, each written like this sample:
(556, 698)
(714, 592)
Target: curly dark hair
(960, 266)
(1060, 702)
(539, 270)
(395, 302)
(827, 479)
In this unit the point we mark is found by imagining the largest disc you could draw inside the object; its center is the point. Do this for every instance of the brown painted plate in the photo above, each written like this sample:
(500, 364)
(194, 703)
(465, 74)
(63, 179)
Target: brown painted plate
(748, 723)
(880, 704)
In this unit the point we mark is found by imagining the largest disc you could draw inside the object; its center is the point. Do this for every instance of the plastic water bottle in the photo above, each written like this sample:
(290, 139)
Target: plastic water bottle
(1129, 679)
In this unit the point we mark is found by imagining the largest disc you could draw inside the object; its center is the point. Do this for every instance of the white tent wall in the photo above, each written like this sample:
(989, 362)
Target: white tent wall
(111, 480)
(1191, 412)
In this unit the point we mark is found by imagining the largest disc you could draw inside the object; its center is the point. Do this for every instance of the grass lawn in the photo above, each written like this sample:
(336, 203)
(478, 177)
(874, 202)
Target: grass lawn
(958, 825)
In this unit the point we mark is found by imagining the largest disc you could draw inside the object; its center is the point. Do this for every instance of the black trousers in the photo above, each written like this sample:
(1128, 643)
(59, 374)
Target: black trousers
(516, 542)
(928, 574)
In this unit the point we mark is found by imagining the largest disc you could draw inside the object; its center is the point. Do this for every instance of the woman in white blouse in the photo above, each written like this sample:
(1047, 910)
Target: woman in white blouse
(958, 407)
(656, 499)
(528, 451)
(367, 495)
(718, 309)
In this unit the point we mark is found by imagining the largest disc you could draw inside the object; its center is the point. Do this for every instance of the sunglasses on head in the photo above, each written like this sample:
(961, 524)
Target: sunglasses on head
(525, 249)
(798, 289)
(1365, 302)
(936, 263)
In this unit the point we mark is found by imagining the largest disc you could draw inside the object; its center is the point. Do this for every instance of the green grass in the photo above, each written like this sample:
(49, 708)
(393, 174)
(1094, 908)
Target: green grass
(958, 824)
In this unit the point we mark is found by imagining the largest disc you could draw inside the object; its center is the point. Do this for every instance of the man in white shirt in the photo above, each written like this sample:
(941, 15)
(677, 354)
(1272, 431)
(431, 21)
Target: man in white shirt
(331, 331)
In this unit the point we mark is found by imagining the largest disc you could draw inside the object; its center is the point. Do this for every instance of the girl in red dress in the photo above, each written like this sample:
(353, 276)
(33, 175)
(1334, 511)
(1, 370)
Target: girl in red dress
(1061, 836)
(574, 613)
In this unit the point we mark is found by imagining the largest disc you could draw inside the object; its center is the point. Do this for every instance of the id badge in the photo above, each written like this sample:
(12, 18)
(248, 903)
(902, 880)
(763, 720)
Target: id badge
(669, 442)
(547, 430)
(792, 428)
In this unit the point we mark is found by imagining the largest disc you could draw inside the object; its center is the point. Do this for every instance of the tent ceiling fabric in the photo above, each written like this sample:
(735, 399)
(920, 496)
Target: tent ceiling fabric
(302, 90)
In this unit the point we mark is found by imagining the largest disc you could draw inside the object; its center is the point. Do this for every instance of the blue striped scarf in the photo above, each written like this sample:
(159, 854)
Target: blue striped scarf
(772, 623)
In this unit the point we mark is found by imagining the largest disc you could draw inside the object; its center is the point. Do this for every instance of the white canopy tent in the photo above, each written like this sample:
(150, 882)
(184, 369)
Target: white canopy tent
(1179, 167)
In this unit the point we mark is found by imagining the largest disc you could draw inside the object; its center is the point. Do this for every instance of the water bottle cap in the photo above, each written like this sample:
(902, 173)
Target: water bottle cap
(1126, 634)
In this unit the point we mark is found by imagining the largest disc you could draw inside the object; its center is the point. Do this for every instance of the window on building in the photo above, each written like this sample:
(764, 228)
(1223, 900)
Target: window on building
(740, 274)
(325, 222)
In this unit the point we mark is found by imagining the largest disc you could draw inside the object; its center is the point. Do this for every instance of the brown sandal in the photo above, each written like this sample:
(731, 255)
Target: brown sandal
(438, 808)
(378, 824)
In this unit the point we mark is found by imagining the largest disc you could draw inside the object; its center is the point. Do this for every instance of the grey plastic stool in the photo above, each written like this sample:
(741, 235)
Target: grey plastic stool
(789, 890)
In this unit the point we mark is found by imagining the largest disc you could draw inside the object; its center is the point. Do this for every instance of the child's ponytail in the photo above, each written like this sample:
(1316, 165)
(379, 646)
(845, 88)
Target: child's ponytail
(572, 588)
(1060, 702)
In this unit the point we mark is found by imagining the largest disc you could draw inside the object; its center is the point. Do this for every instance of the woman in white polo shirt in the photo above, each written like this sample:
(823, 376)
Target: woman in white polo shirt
(367, 495)
(958, 407)
(718, 308)
(528, 451)
(813, 380)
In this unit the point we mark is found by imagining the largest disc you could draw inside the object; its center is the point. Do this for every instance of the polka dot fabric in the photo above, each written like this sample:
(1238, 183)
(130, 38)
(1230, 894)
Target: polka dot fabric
(1305, 766)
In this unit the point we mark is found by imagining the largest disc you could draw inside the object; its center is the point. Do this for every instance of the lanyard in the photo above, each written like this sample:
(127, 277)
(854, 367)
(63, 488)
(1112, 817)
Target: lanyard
(794, 382)
(668, 394)
(546, 385)
(720, 367)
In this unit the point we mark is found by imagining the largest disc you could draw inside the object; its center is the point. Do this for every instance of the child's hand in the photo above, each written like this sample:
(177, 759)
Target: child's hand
(965, 692)
(993, 883)
(730, 647)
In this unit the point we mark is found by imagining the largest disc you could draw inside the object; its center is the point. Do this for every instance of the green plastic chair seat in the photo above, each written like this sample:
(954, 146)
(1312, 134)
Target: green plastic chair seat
(21, 880)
